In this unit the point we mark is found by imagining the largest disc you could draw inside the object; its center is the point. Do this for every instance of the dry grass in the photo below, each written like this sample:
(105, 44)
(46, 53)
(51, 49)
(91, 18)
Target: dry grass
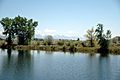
(71, 46)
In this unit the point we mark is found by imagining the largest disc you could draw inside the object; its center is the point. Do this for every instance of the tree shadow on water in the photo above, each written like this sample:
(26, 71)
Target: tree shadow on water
(103, 52)
(24, 54)
(9, 53)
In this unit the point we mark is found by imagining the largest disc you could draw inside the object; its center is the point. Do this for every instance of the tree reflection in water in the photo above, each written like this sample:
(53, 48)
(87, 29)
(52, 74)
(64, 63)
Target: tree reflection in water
(9, 53)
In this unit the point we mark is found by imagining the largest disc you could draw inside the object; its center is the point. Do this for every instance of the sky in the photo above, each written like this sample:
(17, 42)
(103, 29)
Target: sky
(65, 17)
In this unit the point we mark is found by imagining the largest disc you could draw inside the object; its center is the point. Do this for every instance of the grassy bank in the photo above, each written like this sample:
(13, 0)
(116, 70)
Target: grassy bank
(65, 46)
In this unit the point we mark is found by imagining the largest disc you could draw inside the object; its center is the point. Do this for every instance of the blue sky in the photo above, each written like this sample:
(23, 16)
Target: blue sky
(65, 17)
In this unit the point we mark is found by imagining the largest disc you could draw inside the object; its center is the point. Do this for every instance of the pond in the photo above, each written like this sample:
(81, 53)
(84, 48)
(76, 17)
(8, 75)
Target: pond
(42, 65)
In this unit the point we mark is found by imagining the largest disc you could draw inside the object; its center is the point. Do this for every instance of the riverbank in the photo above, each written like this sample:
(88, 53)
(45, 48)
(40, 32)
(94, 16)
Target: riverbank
(112, 50)
(65, 46)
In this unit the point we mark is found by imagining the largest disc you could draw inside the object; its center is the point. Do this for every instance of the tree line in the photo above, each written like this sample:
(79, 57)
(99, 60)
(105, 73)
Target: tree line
(24, 30)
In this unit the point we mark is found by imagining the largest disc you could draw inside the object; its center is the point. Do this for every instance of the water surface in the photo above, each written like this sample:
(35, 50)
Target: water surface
(42, 65)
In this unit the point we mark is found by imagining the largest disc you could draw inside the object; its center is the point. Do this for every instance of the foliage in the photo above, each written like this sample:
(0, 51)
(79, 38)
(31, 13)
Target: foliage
(49, 39)
(8, 27)
(64, 48)
(60, 42)
(78, 39)
(20, 27)
(103, 39)
(25, 29)
(90, 36)
(72, 48)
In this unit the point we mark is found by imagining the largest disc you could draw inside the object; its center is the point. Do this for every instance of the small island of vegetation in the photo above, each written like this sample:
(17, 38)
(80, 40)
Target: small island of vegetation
(19, 32)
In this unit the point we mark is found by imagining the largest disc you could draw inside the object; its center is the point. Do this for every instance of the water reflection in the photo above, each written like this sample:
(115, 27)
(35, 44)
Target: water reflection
(24, 65)
(15, 66)
(24, 55)
(104, 67)
(9, 53)
(38, 51)
(104, 54)
(49, 52)
(97, 67)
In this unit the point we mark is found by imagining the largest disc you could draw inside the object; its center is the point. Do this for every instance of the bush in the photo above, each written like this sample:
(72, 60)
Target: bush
(72, 48)
(64, 48)
(52, 48)
(49, 39)
(68, 43)
(60, 43)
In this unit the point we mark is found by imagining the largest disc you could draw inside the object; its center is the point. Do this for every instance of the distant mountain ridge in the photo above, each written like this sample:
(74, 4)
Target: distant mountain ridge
(59, 37)
(40, 36)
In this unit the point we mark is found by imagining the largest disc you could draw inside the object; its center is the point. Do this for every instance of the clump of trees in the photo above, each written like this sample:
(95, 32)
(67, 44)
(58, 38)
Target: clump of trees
(103, 39)
(21, 27)
(99, 36)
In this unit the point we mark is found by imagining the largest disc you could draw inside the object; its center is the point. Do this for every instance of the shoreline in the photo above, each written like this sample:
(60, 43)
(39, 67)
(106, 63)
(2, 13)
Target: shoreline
(111, 50)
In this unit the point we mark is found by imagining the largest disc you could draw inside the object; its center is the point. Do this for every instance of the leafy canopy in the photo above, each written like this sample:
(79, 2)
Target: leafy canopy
(19, 26)
(103, 39)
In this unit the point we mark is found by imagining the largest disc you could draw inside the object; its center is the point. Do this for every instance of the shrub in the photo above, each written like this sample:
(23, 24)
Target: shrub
(64, 48)
(72, 48)
(68, 43)
(49, 39)
(60, 43)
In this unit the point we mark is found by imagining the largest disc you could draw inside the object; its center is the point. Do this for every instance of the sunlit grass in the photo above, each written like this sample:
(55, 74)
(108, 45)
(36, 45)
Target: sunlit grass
(63, 45)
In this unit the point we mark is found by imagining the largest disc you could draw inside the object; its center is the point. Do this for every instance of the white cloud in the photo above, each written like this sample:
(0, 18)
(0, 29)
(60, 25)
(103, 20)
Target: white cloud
(72, 33)
(49, 30)
(54, 33)
(45, 32)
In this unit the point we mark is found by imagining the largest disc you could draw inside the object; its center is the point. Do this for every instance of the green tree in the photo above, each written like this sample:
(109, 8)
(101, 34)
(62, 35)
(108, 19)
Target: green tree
(8, 27)
(49, 39)
(78, 39)
(24, 29)
(90, 36)
(103, 39)
(20, 26)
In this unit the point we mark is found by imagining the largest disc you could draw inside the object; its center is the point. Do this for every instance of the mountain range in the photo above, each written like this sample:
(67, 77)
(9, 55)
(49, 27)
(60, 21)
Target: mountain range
(54, 36)
(60, 37)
